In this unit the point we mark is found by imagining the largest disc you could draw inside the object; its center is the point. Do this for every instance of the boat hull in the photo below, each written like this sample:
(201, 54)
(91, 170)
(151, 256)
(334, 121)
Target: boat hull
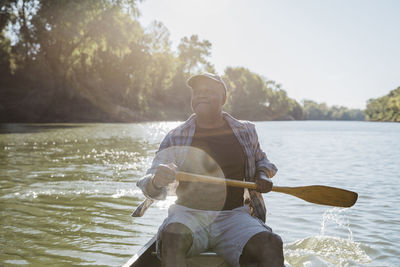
(146, 257)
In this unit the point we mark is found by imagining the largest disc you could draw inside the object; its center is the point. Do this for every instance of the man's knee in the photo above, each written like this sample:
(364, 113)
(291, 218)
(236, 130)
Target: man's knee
(275, 240)
(271, 248)
(271, 240)
(263, 239)
(177, 237)
(264, 246)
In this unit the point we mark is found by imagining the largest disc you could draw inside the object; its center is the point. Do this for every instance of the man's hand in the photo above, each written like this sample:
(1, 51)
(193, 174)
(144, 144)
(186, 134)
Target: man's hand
(264, 184)
(165, 174)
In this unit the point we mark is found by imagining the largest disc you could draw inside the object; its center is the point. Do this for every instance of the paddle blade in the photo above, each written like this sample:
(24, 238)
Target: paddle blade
(141, 209)
(320, 194)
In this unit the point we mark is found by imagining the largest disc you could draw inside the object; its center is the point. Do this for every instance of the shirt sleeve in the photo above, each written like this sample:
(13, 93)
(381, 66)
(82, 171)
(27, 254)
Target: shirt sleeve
(262, 161)
(163, 156)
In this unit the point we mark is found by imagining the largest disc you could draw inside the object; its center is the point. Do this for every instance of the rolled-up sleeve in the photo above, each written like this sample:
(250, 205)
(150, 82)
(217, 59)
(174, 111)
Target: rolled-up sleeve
(163, 156)
(149, 190)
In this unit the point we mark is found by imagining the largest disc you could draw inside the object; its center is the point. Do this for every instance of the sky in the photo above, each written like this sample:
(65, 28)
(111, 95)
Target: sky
(338, 52)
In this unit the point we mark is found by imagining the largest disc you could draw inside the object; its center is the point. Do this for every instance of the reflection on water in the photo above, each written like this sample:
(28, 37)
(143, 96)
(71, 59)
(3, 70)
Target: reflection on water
(32, 128)
(67, 192)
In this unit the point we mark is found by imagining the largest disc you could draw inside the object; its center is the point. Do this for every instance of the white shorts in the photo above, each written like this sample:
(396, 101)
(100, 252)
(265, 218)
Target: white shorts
(224, 232)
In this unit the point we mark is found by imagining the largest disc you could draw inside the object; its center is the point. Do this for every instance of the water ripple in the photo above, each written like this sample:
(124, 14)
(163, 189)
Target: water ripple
(67, 192)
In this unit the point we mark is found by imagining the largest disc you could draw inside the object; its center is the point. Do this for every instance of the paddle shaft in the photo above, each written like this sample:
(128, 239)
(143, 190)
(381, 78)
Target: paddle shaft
(190, 177)
(318, 194)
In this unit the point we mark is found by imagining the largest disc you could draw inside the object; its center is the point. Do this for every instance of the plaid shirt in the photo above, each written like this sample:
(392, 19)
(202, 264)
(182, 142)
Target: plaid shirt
(177, 141)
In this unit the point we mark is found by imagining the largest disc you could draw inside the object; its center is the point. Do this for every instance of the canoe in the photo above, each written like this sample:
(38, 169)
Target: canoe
(146, 257)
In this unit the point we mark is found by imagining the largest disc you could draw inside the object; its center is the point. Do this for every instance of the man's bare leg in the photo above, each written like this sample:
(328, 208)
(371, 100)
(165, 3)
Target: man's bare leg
(266, 248)
(176, 240)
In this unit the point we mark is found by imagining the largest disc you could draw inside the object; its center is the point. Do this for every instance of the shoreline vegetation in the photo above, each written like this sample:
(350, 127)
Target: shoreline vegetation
(92, 61)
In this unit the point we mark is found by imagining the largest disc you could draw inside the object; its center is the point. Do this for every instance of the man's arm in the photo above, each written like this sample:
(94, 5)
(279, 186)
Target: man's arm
(149, 189)
(262, 162)
(264, 168)
(265, 171)
(160, 174)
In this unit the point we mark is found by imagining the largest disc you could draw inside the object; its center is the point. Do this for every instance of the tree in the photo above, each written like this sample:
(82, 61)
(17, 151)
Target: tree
(295, 110)
(79, 52)
(315, 111)
(192, 59)
(91, 60)
(193, 54)
(253, 97)
(385, 108)
(247, 93)
(160, 72)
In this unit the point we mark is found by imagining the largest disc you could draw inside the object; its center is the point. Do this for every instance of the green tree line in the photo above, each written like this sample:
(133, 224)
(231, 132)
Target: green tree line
(385, 108)
(320, 111)
(91, 60)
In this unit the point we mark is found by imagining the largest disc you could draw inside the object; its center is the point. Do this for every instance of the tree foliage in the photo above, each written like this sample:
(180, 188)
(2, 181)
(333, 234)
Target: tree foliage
(385, 108)
(320, 111)
(255, 98)
(193, 54)
(91, 60)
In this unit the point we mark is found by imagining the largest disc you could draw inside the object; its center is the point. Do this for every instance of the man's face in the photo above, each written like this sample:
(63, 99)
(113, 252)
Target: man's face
(207, 97)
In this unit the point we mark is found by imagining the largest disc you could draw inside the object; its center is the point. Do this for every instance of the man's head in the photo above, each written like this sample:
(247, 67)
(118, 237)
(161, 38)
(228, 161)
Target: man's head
(208, 94)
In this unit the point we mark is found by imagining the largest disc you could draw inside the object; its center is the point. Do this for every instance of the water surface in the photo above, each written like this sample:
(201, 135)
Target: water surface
(67, 191)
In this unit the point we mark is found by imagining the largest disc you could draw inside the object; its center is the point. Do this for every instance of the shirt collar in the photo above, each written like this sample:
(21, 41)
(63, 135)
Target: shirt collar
(231, 120)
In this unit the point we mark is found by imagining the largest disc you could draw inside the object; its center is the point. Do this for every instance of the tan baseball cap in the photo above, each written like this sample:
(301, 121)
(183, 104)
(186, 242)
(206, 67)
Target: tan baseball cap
(206, 75)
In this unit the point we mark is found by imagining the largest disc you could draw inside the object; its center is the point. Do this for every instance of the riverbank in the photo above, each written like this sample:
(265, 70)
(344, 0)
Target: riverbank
(82, 111)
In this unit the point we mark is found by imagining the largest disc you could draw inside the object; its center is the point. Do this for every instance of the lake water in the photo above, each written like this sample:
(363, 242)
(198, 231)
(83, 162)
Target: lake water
(67, 192)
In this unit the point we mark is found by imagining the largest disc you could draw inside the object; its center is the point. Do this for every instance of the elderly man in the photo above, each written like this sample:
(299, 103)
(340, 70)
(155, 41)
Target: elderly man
(224, 219)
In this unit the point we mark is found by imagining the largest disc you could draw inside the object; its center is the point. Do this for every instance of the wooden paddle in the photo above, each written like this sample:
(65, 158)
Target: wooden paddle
(318, 194)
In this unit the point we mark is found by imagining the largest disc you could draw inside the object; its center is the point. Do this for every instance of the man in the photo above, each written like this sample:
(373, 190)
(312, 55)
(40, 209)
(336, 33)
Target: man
(213, 217)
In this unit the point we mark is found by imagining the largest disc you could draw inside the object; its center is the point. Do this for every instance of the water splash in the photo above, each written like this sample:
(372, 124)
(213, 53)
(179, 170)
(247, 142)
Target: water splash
(325, 250)
(339, 220)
